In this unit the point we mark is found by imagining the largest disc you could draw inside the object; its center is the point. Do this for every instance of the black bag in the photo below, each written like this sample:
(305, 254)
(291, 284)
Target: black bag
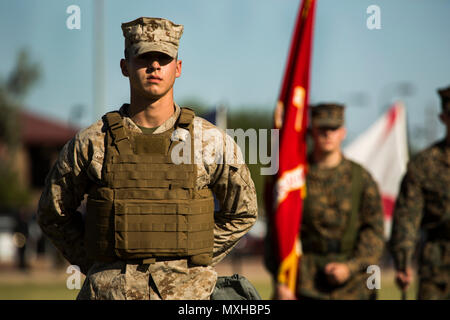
(235, 287)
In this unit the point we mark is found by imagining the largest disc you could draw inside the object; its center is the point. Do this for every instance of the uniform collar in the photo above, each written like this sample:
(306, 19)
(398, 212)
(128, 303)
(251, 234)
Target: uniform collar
(166, 125)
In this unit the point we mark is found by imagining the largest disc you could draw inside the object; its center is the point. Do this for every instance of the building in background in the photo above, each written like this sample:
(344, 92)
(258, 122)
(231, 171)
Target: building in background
(40, 141)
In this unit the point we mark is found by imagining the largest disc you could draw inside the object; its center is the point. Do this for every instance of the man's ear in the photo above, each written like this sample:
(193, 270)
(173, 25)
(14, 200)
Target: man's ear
(178, 71)
(124, 67)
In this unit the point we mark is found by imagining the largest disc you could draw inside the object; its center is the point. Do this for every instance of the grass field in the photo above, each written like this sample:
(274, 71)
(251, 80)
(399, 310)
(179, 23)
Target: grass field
(388, 290)
(48, 284)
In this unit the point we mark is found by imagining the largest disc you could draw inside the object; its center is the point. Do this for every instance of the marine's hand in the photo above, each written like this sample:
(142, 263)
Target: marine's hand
(282, 292)
(404, 278)
(337, 273)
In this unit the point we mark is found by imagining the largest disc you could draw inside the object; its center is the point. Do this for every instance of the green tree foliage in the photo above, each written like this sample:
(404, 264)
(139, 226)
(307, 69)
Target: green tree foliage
(12, 193)
(13, 90)
(245, 117)
(199, 106)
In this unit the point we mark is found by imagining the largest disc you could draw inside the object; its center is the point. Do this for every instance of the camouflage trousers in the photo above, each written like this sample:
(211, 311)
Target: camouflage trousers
(434, 271)
(124, 281)
(431, 289)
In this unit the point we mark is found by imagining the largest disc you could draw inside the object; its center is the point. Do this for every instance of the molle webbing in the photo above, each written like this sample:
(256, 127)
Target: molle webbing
(180, 229)
(148, 171)
(148, 206)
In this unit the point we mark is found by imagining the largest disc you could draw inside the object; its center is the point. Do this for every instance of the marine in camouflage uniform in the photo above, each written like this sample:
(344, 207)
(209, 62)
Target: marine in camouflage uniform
(423, 208)
(342, 220)
(81, 166)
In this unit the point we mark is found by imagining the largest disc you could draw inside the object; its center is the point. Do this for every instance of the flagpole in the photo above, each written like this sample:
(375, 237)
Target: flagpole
(99, 60)
(291, 118)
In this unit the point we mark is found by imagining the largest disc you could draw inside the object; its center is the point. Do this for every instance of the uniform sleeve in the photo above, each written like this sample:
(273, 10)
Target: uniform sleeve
(234, 189)
(57, 215)
(370, 239)
(407, 217)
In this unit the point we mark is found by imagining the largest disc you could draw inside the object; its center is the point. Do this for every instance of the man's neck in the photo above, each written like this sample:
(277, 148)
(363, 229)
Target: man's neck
(151, 113)
(327, 160)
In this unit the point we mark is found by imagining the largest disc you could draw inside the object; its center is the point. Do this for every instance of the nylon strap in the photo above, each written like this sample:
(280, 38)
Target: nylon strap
(163, 223)
(350, 234)
(316, 242)
(199, 206)
(117, 131)
(186, 117)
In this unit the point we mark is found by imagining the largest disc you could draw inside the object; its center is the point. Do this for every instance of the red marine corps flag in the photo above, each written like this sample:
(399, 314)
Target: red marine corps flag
(291, 119)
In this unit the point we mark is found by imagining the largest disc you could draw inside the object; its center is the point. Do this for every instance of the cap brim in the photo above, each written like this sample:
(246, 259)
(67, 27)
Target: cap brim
(144, 47)
(327, 123)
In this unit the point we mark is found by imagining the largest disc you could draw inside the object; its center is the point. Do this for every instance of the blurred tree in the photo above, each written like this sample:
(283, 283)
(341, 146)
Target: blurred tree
(24, 75)
(197, 104)
(253, 118)
(13, 90)
(243, 117)
(12, 194)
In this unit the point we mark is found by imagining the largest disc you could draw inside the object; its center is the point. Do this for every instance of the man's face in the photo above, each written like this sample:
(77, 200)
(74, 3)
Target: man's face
(151, 74)
(328, 139)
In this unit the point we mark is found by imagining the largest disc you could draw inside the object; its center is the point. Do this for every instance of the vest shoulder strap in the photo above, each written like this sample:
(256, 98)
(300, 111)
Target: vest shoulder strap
(114, 122)
(350, 234)
(186, 117)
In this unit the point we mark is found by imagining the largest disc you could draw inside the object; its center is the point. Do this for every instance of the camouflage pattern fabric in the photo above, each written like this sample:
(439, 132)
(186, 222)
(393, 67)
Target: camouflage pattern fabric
(80, 163)
(327, 115)
(330, 196)
(423, 205)
(152, 34)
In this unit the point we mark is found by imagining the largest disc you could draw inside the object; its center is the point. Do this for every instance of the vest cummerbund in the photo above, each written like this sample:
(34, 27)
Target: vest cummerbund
(147, 206)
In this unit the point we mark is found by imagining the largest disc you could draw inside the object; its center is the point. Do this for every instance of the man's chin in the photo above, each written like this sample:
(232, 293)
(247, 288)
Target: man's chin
(152, 94)
(155, 92)
(328, 151)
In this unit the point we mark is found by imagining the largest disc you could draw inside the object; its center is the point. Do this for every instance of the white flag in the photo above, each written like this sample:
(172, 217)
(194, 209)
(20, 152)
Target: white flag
(383, 150)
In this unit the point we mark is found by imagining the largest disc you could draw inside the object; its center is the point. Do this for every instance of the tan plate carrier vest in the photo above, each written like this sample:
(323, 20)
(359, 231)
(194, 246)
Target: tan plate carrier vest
(147, 207)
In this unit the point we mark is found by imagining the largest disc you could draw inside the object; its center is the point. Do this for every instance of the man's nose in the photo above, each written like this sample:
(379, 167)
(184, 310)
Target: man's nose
(326, 133)
(154, 65)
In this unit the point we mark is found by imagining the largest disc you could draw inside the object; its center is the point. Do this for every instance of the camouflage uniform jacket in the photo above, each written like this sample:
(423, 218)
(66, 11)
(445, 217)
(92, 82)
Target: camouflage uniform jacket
(330, 206)
(80, 164)
(423, 204)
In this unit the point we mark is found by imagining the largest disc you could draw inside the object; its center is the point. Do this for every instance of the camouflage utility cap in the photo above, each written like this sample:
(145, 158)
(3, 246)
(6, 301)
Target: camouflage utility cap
(327, 115)
(151, 34)
(445, 97)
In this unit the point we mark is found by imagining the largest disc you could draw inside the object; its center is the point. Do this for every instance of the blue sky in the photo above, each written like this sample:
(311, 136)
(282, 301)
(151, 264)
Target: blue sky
(234, 52)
